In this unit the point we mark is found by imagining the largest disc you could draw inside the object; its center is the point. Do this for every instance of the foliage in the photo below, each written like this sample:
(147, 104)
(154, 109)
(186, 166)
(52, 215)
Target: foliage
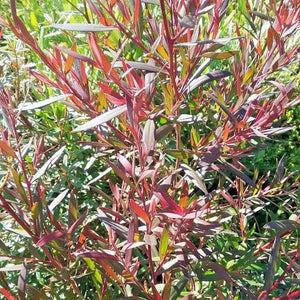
(130, 146)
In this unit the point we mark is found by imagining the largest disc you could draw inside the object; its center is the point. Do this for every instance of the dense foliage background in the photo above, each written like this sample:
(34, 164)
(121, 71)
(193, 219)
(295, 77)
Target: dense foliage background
(149, 149)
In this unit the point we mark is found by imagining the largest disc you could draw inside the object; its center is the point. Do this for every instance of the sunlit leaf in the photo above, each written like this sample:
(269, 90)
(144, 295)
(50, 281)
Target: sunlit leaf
(219, 55)
(40, 104)
(83, 27)
(164, 241)
(48, 164)
(103, 118)
(140, 212)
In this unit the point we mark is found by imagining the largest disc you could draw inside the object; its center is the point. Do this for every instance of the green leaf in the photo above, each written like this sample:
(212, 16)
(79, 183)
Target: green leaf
(163, 247)
(178, 287)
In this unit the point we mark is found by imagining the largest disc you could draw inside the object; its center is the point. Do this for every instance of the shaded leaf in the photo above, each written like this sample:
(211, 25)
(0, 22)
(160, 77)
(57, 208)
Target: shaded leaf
(37, 293)
(121, 174)
(22, 281)
(177, 287)
(238, 173)
(181, 154)
(283, 225)
(187, 21)
(210, 156)
(272, 263)
(215, 75)
(162, 131)
(117, 227)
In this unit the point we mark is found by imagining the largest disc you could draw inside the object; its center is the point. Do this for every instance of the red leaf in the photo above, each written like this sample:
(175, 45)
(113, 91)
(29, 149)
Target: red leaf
(7, 294)
(109, 270)
(97, 255)
(43, 79)
(50, 237)
(167, 202)
(78, 222)
(101, 59)
(140, 212)
(77, 55)
(294, 295)
(136, 12)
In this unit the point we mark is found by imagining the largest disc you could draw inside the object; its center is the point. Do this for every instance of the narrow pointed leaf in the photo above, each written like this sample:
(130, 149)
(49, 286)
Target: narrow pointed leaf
(83, 27)
(78, 222)
(58, 199)
(283, 225)
(97, 255)
(105, 117)
(238, 173)
(163, 246)
(22, 281)
(215, 75)
(272, 263)
(70, 60)
(217, 41)
(48, 164)
(140, 66)
(219, 55)
(49, 237)
(194, 175)
(39, 104)
(7, 148)
(7, 294)
(140, 212)
(149, 134)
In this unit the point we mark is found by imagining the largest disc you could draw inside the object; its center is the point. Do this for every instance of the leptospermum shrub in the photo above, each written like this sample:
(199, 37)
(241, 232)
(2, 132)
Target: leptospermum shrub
(165, 103)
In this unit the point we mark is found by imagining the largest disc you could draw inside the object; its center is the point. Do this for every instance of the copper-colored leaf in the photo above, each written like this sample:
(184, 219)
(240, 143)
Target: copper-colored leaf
(70, 60)
(140, 211)
(7, 148)
(219, 55)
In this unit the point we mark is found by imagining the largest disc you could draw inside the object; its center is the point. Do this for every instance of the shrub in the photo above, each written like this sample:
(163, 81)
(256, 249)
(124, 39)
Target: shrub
(155, 196)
